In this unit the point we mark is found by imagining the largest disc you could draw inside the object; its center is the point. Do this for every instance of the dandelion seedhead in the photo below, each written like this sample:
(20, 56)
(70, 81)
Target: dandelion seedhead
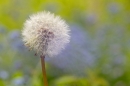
(45, 33)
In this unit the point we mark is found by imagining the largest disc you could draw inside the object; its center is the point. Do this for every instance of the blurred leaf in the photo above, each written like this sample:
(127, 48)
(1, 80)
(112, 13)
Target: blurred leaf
(2, 83)
(65, 80)
(95, 80)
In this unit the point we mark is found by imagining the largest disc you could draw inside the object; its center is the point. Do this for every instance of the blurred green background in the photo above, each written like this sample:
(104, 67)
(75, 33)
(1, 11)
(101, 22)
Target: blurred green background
(97, 55)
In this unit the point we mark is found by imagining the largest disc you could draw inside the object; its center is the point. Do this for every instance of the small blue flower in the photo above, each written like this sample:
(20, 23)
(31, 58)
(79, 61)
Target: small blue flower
(114, 8)
(4, 74)
(15, 41)
(14, 35)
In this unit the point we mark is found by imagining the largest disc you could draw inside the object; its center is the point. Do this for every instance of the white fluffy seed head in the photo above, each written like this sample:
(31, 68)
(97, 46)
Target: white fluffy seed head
(45, 33)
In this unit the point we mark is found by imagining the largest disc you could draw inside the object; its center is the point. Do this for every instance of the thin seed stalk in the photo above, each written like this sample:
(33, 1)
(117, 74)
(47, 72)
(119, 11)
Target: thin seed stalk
(44, 71)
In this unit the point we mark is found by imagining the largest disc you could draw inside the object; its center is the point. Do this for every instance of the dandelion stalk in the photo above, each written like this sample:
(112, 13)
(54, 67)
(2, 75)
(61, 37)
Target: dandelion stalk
(44, 71)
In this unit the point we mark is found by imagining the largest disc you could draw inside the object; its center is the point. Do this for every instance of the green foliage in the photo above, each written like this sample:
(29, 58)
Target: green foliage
(14, 13)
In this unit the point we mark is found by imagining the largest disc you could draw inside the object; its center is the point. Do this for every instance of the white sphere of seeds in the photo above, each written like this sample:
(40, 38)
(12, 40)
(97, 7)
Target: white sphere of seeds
(45, 33)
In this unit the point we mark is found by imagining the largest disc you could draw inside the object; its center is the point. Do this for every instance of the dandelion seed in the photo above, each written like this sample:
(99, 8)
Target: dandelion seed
(45, 33)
